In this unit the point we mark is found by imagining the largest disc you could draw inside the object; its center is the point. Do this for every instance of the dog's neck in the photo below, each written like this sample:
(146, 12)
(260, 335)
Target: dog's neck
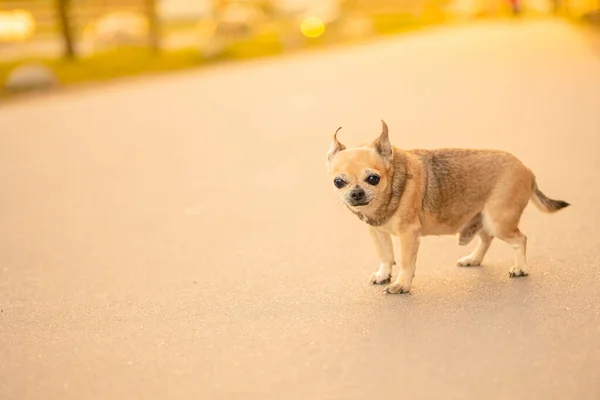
(390, 204)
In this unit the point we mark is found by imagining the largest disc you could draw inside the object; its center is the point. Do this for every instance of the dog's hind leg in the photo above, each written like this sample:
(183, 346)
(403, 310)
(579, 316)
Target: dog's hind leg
(504, 224)
(502, 215)
(476, 257)
(518, 241)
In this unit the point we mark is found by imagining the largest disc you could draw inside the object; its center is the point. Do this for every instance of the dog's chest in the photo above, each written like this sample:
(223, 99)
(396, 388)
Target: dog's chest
(391, 226)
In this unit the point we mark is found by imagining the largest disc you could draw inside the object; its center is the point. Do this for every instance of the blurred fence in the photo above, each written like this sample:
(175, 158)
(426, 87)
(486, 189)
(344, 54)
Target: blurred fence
(53, 28)
(72, 28)
(188, 32)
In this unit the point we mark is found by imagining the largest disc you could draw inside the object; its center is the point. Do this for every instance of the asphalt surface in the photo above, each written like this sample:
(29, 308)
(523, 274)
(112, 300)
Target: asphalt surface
(178, 237)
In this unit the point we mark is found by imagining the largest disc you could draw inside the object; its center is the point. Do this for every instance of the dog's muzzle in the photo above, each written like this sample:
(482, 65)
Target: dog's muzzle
(357, 197)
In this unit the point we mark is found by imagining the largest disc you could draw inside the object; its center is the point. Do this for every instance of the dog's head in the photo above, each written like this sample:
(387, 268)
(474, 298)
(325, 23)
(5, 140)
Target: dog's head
(361, 175)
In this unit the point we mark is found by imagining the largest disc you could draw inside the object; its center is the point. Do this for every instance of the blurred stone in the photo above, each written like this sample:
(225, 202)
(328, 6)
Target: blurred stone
(30, 76)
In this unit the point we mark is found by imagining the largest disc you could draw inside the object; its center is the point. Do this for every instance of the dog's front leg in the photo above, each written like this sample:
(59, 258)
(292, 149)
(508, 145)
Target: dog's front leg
(385, 251)
(409, 247)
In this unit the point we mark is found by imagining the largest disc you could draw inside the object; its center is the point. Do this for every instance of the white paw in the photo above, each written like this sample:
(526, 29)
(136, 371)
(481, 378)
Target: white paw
(397, 288)
(468, 261)
(516, 272)
(379, 277)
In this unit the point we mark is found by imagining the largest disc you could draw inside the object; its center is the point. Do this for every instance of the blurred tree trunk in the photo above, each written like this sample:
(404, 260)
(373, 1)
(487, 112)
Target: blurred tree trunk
(63, 8)
(154, 26)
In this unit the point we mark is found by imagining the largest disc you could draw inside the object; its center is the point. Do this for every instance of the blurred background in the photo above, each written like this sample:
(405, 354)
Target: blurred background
(45, 43)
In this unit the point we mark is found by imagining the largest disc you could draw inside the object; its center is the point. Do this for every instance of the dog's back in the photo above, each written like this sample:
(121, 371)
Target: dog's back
(459, 182)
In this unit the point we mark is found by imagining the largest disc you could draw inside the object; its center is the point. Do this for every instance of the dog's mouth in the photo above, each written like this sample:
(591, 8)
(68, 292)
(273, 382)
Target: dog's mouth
(360, 204)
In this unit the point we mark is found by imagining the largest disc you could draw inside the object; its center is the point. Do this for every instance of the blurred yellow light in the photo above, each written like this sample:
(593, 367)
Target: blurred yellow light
(16, 25)
(312, 27)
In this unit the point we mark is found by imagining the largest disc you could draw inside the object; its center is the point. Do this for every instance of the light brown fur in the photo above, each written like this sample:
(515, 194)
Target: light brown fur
(435, 192)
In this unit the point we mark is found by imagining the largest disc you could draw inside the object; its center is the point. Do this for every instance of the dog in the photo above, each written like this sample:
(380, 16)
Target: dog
(415, 193)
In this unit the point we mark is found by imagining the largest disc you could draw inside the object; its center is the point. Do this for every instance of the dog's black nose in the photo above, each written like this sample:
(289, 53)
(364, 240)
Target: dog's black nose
(357, 194)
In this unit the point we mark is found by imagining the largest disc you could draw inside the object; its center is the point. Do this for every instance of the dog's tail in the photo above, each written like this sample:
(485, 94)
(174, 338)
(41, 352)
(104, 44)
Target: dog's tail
(544, 203)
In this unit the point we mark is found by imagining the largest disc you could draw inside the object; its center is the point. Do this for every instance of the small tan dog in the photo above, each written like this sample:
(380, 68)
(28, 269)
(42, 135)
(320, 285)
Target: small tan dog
(416, 193)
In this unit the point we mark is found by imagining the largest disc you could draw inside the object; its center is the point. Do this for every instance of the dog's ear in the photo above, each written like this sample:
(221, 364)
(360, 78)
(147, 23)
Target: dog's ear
(382, 144)
(335, 147)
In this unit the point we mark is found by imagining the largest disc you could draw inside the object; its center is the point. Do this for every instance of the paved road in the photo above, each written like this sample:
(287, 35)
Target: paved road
(179, 238)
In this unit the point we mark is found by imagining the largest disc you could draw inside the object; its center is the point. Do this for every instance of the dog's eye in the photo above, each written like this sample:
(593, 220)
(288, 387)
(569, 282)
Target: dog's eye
(373, 180)
(339, 183)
